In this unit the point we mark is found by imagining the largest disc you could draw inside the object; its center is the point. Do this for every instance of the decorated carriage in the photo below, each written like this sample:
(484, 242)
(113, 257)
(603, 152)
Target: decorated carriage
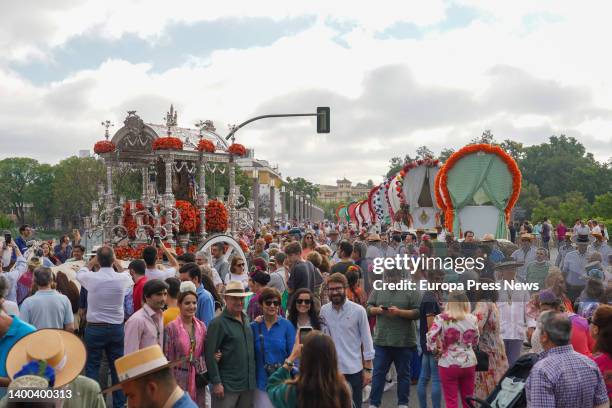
(477, 188)
(173, 206)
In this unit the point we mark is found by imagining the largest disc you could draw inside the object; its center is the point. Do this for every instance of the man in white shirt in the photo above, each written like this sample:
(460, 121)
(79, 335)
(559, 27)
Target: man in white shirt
(20, 267)
(149, 255)
(347, 324)
(525, 255)
(106, 291)
(47, 308)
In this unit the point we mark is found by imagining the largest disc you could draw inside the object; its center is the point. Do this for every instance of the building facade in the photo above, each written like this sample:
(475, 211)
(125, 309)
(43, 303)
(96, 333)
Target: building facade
(343, 192)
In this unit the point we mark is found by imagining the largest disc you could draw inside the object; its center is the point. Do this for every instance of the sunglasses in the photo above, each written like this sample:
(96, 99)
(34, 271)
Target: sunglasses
(272, 303)
(240, 264)
(303, 301)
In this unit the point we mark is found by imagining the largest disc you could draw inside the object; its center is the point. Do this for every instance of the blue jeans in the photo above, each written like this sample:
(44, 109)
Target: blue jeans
(109, 339)
(429, 370)
(383, 357)
(355, 381)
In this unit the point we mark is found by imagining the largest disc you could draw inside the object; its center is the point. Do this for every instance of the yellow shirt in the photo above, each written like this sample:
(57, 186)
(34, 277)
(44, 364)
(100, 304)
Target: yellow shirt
(170, 314)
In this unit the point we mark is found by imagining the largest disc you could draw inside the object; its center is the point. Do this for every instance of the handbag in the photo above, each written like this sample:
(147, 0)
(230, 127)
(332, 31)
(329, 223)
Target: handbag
(270, 368)
(201, 376)
(482, 358)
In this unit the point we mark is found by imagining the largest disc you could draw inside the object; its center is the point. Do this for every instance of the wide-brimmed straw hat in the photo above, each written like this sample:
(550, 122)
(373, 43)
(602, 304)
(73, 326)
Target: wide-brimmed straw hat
(61, 350)
(374, 237)
(139, 364)
(236, 289)
(508, 263)
(488, 238)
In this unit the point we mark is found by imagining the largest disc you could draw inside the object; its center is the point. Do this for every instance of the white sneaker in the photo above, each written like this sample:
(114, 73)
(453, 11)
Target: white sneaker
(365, 393)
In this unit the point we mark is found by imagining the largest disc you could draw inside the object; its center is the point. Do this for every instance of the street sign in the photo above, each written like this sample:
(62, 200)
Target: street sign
(323, 119)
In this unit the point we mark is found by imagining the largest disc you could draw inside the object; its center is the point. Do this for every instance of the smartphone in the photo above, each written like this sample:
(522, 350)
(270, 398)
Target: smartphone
(7, 238)
(157, 241)
(304, 332)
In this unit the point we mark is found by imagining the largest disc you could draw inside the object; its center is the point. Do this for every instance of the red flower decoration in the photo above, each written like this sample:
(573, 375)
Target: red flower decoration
(168, 143)
(206, 145)
(216, 217)
(188, 215)
(237, 149)
(104, 146)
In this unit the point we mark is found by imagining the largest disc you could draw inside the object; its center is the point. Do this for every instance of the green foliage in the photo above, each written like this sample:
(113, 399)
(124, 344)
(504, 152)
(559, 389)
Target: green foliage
(75, 187)
(602, 206)
(529, 198)
(445, 154)
(18, 176)
(302, 185)
(329, 209)
(6, 222)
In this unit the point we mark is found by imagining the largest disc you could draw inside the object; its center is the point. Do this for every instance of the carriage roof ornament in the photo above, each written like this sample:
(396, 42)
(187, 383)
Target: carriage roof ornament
(171, 119)
(107, 124)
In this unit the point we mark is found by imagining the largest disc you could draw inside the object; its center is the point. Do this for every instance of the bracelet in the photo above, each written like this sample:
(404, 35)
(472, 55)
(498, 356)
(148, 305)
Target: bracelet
(369, 370)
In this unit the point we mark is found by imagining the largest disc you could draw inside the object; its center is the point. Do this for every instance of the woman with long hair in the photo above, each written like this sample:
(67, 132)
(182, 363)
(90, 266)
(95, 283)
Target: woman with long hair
(303, 311)
(238, 272)
(209, 285)
(49, 259)
(452, 337)
(319, 383)
(184, 339)
(490, 341)
(600, 327)
(354, 292)
(273, 339)
(308, 244)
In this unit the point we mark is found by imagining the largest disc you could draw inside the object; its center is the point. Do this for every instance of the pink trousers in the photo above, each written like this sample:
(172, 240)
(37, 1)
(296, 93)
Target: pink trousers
(457, 380)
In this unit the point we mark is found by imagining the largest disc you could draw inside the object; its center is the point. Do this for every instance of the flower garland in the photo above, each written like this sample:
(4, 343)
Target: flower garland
(206, 145)
(371, 203)
(188, 214)
(104, 146)
(237, 149)
(386, 194)
(449, 212)
(168, 143)
(216, 217)
(129, 222)
(399, 182)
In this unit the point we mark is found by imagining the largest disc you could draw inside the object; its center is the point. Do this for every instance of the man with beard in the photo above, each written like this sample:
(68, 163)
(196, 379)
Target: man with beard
(347, 323)
(146, 326)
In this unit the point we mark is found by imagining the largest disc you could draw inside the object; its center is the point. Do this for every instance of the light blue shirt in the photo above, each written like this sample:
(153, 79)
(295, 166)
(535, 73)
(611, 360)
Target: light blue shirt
(350, 330)
(206, 305)
(278, 343)
(47, 309)
(573, 268)
(16, 331)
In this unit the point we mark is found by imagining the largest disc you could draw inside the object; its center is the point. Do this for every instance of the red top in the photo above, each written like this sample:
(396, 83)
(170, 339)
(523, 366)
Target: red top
(137, 293)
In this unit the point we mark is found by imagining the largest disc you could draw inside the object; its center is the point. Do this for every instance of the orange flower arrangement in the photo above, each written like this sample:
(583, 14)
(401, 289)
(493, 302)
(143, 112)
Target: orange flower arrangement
(216, 217)
(188, 215)
(442, 179)
(206, 145)
(104, 146)
(237, 149)
(168, 143)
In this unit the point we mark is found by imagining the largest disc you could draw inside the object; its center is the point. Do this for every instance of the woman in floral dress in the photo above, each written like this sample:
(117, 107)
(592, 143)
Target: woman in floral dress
(451, 338)
(490, 342)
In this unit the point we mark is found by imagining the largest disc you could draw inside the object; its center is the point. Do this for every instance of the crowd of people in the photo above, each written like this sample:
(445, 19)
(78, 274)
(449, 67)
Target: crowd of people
(300, 321)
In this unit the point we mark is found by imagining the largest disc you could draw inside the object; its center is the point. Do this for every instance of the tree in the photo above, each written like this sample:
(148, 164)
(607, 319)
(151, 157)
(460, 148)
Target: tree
(41, 195)
(529, 198)
(302, 185)
(446, 153)
(424, 152)
(514, 149)
(602, 207)
(17, 176)
(396, 164)
(370, 184)
(486, 137)
(75, 187)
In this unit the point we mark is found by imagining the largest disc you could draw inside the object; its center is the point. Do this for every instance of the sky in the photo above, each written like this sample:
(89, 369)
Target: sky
(396, 74)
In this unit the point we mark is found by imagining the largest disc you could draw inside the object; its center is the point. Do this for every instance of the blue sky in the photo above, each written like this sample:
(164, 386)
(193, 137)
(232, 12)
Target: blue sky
(397, 75)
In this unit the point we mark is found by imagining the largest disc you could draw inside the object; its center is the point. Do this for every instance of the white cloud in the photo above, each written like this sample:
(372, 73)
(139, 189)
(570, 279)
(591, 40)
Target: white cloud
(525, 82)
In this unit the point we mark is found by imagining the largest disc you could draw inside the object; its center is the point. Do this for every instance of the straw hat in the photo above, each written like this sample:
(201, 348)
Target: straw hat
(508, 263)
(488, 238)
(235, 288)
(140, 364)
(62, 350)
(374, 237)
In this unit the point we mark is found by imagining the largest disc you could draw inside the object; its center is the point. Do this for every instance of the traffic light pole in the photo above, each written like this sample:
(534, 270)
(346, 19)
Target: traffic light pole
(282, 115)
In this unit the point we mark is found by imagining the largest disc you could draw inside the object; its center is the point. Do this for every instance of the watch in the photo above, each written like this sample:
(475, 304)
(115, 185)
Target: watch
(369, 370)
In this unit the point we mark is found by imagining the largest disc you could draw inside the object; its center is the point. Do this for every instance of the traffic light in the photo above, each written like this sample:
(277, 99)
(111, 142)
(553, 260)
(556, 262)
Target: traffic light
(323, 119)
